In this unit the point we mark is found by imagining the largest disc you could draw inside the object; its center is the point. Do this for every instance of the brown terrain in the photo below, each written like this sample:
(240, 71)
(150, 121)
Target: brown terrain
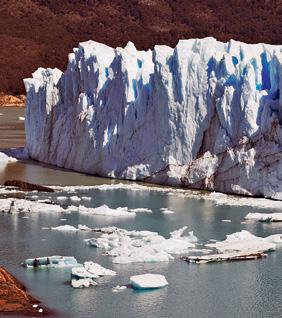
(37, 33)
(15, 299)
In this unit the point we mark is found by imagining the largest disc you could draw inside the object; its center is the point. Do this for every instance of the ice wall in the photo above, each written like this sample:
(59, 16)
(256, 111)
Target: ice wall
(205, 115)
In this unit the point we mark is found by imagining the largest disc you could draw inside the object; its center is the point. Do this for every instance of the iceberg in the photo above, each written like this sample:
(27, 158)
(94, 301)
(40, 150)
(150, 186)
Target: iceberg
(203, 115)
(148, 281)
(142, 246)
(246, 242)
(64, 228)
(51, 261)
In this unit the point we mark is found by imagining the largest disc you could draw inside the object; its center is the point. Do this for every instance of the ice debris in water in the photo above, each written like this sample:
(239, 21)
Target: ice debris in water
(106, 211)
(148, 281)
(91, 270)
(246, 242)
(75, 198)
(12, 205)
(88, 272)
(264, 217)
(142, 246)
(166, 211)
(118, 288)
(83, 283)
(64, 228)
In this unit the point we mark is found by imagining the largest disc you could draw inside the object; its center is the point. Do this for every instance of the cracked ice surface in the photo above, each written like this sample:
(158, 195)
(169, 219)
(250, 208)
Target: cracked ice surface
(203, 115)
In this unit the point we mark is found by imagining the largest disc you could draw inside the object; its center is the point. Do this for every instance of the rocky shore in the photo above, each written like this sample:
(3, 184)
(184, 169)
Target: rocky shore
(14, 298)
(12, 100)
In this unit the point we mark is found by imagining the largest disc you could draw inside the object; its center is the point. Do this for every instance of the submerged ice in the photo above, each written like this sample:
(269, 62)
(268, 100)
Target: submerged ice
(204, 115)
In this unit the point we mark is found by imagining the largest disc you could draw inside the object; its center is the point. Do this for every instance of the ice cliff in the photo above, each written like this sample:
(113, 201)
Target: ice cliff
(205, 115)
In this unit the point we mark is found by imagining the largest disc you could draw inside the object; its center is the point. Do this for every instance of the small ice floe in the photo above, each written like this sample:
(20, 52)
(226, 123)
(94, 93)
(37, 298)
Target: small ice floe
(43, 239)
(83, 227)
(40, 310)
(21, 118)
(1, 114)
(226, 221)
(34, 197)
(91, 270)
(63, 220)
(62, 198)
(64, 228)
(141, 210)
(86, 198)
(106, 211)
(264, 217)
(71, 208)
(51, 261)
(246, 242)
(25, 217)
(166, 211)
(148, 281)
(228, 257)
(75, 198)
(118, 288)
(142, 246)
(45, 228)
(12, 206)
(35, 305)
(83, 283)
(4, 159)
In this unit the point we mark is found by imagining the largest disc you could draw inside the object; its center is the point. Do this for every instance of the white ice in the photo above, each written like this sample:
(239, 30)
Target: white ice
(270, 217)
(147, 281)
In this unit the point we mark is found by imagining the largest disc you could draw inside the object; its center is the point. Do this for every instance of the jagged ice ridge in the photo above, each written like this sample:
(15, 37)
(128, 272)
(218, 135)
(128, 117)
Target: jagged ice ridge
(203, 115)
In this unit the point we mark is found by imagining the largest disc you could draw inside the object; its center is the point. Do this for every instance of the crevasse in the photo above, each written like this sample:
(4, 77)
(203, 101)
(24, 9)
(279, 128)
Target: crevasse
(205, 115)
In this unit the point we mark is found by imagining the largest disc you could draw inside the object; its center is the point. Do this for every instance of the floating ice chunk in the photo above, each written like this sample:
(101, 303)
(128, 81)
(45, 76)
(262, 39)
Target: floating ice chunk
(83, 283)
(98, 270)
(246, 242)
(71, 208)
(226, 221)
(106, 211)
(75, 198)
(166, 211)
(118, 289)
(86, 198)
(61, 198)
(35, 305)
(264, 217)
(6, 159)
(142, 246)
(65, 228)
(142, 210)
(63, 220)
(148, 281)
(34, 197)
(51, 261)
(21, 205)
(239, 256)
(21, 118)
(81, 272)
(83, 227)
(40, 310)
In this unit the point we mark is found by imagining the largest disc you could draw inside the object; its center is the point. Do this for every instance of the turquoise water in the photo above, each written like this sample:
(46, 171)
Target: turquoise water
(240, 289)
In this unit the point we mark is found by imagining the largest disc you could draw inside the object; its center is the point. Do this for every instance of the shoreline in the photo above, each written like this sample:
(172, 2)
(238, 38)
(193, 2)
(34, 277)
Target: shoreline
(14, 298)
(7, 100)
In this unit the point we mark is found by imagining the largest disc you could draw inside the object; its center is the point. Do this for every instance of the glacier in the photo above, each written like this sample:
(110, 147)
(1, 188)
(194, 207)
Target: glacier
(202, 115)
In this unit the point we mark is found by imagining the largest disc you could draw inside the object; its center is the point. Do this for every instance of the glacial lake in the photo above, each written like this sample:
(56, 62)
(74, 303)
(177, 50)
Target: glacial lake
(227, 290)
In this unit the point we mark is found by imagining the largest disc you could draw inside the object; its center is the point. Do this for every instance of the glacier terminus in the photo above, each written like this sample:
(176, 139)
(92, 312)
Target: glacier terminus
(203, 115)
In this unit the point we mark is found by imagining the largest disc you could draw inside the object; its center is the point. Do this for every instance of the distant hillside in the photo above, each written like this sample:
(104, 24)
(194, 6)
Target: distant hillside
(37, 33)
